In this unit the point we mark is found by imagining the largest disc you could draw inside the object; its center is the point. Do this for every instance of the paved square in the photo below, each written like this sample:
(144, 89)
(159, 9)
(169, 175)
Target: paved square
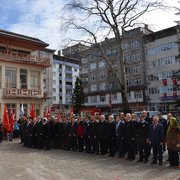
(21, 163)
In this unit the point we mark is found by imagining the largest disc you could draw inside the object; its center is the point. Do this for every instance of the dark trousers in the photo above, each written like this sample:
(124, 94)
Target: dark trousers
(80, 143)
(103, 145)
(131, 149)
(143, 151)
(88, 144)
(35, 141)
(47, 143)
(94, 144)
(173, 158)
(157, 152)
(112, 146)
(120, 147)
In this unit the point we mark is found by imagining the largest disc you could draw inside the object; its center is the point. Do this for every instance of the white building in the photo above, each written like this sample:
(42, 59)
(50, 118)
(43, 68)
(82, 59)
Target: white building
(161, 52)
(63, 74)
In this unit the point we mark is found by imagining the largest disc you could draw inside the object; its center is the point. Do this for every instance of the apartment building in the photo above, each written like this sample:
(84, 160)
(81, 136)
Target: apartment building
(101, 86)
(21, 72)
(161, 51)
(65, 70)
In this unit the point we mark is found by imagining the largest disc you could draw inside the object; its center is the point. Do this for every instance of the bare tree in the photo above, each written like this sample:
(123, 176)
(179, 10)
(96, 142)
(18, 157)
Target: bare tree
(107, 18)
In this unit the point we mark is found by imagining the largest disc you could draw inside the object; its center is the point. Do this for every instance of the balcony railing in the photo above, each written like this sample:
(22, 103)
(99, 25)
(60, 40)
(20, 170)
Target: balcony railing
(25, 59)
(23, 93)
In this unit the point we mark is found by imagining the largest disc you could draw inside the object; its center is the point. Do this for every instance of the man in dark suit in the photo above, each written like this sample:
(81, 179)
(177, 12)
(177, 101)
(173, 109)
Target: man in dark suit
(130, 137)
(111, 136)
(142, 133)
(102, 134)
(87, 134)
(120, 133)
(156, 136)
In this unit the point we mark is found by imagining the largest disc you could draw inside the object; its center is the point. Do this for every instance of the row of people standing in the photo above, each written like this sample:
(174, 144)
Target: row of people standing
(123, 135)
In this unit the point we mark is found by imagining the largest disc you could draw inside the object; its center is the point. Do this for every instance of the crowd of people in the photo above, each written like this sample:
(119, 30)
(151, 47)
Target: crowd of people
(125, 136)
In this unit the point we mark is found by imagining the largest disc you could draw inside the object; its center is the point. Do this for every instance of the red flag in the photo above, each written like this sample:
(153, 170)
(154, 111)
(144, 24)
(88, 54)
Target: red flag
(71, 111)
(47, 113)
(32, 113)
(11, 122)
(6, 118)
(59, 115)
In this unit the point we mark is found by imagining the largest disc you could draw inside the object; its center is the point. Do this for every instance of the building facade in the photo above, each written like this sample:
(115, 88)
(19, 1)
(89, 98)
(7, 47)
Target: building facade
(101, 87)
(162, 49)
(62, 76)
(21, 72)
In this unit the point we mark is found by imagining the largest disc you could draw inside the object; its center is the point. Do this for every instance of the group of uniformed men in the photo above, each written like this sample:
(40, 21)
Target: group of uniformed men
(126, 134)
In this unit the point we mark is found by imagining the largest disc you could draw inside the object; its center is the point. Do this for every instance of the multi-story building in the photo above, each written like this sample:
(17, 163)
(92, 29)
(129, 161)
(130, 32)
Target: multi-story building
(101, 87)
(73, 51)
(21, 72)
(162, 50)
(64, 72)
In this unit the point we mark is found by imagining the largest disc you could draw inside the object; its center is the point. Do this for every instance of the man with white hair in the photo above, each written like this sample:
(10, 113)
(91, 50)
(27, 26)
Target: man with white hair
(102, 134)
(156, 135)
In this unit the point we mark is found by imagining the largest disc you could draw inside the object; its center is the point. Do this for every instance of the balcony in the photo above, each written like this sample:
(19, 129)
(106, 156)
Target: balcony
(9, 93)
(27, 59)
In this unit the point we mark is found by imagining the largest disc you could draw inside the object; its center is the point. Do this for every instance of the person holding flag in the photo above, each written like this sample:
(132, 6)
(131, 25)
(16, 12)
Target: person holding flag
(6, 121)
(32, 112)
(11, 125)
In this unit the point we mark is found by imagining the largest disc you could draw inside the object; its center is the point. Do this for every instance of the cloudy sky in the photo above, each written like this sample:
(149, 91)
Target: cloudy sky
(42, 19)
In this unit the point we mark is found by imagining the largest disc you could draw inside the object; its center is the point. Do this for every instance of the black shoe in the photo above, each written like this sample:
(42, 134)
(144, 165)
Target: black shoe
(140, 160)
(146, 161)
(154, 162)
(160, 163)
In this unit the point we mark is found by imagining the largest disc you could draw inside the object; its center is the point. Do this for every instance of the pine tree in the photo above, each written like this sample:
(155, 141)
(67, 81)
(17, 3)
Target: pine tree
(78, 96)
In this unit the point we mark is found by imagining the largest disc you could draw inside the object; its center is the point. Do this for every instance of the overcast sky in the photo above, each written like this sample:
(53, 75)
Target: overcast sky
(41, 19)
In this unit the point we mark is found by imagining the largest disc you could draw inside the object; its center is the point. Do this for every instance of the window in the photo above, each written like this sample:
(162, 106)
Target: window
(114, 96)
(93, 87)
(35, 80)
(93, 66)
(37, 109)
(68, 68)
(23, 79)
(11, 108)
(102, 98)
(137, 94)
(86, 100)
(102, 86)
(93, 77)
(10, 77)
(68, 83)
(102, 75)
(102, 64)
(93, 99)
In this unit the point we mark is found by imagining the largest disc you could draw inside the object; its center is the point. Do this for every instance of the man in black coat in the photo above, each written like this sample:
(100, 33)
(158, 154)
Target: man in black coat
(111, 136)
(142, 133)
(93, 134)
(65, 135)
(156, 136)
(87, 134)
(46, 133)
(35, 134)
(102, 134)
(120, 136)
(29, 132)
(40, 143)
(130, 137)
(73, 134)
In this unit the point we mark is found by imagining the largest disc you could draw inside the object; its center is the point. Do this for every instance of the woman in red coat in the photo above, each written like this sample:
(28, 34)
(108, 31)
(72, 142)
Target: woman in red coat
(173, 142)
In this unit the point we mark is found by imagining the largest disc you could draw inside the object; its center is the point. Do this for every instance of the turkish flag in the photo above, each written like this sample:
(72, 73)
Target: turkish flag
(59, 115)
(6, 119)
(47, 113)
(11, 122)
(71, 111)
(32, 112)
